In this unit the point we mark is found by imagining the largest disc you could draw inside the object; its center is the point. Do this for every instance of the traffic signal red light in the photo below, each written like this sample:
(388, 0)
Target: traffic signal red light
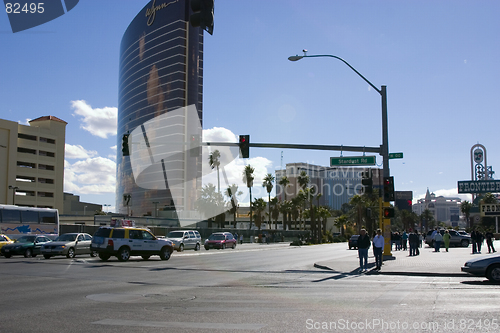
(244, 144)
(388, 189)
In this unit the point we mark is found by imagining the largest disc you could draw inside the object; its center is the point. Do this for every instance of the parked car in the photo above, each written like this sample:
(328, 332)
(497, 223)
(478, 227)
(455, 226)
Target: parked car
(353, 242)
(4, 240)
(488, 266)
(185, 239)
(126, 242)
(68, 245)
(220, 240)
(456, 239)
(29, 246)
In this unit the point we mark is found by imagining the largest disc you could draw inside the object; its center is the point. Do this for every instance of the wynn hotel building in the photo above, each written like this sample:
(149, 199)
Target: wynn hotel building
(161, 70)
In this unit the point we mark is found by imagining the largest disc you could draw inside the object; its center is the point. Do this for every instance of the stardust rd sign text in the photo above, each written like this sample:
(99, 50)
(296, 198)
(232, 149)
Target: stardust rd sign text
(479, 186)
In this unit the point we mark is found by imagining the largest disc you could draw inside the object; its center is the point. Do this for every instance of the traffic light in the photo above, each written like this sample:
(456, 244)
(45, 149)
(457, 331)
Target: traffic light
(244, 146)
(203, 15)
(388, 212)
(367, 181)
(125, 150)
(194, 145)
(388, 189)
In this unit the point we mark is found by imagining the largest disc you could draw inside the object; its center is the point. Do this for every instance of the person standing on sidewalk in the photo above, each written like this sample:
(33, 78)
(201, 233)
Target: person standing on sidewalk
(446, 239)
(489, 241)
(378, 246)
(363, 246)
(413, 240)
(438, 238)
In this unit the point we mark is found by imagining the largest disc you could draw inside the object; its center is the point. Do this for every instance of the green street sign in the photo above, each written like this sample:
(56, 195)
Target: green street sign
(353, 160)
(395, 155)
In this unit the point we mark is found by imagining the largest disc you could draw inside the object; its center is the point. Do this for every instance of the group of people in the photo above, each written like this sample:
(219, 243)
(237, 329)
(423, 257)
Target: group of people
(402, 240)
(364, 244)
(477, 239)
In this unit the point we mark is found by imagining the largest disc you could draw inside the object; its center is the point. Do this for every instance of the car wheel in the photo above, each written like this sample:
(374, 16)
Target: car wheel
(123, 254)
(207, 248)
(165, 253)
(465, 243)
(71, 253)
(181, 248)
(93, 253)
(103, 257)
(47, 256)
(7, 255)
(28, 253)
(197, 247)
(493, 273)
(350, 247)
(145, 257)
(234, 246)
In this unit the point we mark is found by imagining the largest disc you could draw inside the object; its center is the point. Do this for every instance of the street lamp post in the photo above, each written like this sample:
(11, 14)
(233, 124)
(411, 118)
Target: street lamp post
(383, 93)
(156, 208)
(13, 188)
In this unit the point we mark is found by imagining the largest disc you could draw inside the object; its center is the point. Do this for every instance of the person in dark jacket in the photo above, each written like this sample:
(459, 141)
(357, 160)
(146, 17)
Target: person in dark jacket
(489, 241)
(363, 246)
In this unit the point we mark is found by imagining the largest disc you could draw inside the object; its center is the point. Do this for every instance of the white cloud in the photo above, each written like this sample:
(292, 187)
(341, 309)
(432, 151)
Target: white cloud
(219, 134)
(78, 152)
(90, 176)
(99, 122)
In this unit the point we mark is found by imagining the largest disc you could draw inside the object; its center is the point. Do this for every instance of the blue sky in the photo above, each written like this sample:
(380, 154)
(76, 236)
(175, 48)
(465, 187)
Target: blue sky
(438, 59)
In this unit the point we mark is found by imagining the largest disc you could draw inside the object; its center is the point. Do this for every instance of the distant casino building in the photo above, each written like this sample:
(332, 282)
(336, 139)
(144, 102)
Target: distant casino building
(161, 69)
(337, 185)
(444, 209)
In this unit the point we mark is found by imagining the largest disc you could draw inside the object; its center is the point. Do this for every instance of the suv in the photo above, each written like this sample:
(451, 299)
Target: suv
(185, 239)
(126, 242)
(456, 239)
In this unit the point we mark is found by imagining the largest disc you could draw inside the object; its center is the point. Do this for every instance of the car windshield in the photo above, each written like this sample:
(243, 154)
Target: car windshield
(67, 237)
(26, 239)
(216, 237)
(175, 234)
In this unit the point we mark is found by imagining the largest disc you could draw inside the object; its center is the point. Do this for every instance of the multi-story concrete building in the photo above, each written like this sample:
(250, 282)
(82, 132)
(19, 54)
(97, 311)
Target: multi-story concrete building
(161, 70)
(444, 209)
(32, 162)
(337, 185)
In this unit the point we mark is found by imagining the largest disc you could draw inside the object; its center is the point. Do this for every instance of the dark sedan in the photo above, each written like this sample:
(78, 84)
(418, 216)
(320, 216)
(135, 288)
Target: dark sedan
(353, 242)
(29, 246)
(488, 266)
(220, 240)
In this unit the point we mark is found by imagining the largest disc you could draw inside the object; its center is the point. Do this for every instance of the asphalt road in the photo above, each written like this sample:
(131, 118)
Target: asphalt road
(255, 288)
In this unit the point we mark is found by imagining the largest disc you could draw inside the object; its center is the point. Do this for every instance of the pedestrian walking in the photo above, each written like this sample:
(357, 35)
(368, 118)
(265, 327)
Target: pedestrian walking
(413, 240)
(363, 246)
(438, 238)
(479, 240)
(404, 240)
(446, 239)
(473, 240)
(489, 241)
(378, 246)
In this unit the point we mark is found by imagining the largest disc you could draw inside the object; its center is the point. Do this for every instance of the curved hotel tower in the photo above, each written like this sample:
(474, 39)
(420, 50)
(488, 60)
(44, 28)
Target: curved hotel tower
(161, 72)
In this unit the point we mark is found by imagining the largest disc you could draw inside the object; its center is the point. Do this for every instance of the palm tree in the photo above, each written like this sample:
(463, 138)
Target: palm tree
(428, 216)
(268, 184)
(359, 206)
(286, 208)
(284, 181)
(295, 211)
(303, 179)
(248, 180)
(214, 162)
(210, 202)
(275, 211)
(465, 208)
(232, 193)
(259, 206)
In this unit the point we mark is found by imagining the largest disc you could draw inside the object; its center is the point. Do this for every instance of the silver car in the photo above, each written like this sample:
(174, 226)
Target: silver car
(185, 239)
(68, 245)
(488, 266)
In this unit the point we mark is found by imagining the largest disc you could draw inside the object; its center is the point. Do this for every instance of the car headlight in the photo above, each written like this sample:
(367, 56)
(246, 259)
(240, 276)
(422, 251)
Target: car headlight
(62, 246)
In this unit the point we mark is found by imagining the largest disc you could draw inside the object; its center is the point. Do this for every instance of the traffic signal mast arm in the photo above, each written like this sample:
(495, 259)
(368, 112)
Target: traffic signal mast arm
(299, 146)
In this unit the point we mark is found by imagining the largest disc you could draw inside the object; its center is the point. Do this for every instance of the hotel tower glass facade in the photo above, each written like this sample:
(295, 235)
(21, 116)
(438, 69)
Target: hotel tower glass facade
(161, 70)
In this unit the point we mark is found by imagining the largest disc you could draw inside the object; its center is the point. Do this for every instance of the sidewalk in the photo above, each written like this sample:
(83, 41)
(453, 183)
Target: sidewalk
(428, 263)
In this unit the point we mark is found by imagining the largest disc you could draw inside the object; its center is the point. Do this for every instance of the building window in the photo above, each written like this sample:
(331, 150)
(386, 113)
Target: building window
(26, 136)
(25, 179)
(26, 165)
(46, 180)
(46, 194)
(45, 167)
(25, 193)
(46, 153)
(26, 150)
(47, 140)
